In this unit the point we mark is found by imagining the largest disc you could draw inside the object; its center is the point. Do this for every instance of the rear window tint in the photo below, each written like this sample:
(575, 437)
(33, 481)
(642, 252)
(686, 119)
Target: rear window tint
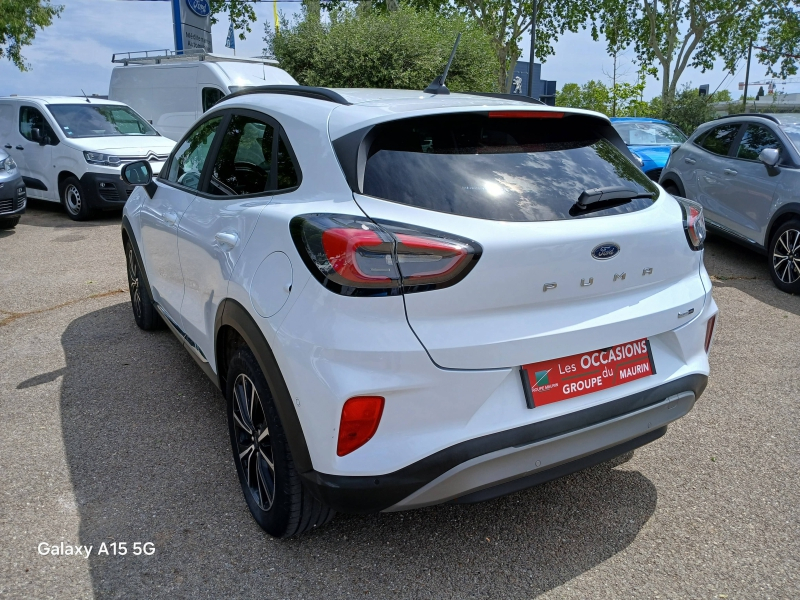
(505, 169)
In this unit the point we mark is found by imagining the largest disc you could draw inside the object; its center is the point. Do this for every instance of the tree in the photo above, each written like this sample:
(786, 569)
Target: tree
(405, 48)
(240, 12)
(506, 21)
(676, 34)
(19, 20)
(595, 95)
(781, 39)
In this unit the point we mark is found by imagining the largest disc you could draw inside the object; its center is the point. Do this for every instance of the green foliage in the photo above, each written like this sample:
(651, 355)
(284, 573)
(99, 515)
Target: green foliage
(781, 38)
(595, 95)
(681, 33)
(240, 12)
(403, 49)
(19, 20)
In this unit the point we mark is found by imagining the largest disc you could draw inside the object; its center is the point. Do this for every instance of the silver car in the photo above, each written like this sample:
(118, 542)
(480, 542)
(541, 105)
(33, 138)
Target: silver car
(745, 171)
(12, 192)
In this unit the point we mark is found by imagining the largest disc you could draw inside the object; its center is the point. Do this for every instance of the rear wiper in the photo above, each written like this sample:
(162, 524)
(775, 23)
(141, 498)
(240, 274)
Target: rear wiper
(609, 194)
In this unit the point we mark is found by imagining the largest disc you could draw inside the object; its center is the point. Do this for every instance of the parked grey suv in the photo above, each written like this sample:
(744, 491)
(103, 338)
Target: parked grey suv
(745, 171)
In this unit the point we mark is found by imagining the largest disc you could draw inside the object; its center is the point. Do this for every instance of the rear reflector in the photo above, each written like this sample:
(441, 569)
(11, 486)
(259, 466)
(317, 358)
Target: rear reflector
(525, 114)
(360, 418)
(710, 331)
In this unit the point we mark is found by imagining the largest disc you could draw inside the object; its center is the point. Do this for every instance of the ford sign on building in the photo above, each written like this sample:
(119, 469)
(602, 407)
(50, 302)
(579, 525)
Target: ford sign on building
(192, 22)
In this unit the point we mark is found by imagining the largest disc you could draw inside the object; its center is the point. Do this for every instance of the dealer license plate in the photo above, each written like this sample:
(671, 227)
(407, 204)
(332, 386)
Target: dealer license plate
(571, 376)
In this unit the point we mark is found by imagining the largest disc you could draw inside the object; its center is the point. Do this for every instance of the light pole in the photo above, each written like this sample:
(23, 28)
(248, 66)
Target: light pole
(747, 78)
(533, 47)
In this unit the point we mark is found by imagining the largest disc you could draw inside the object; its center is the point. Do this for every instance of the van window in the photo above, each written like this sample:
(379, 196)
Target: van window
(211, 96)
(29, 119)
(503, 168)
(98, 120)
(187, 163)
(244, 163)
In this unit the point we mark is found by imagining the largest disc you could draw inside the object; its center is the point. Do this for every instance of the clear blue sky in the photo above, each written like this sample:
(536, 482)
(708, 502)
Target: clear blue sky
(75, 52)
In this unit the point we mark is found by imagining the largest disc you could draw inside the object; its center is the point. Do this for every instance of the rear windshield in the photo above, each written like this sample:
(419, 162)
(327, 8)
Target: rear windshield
(500, 168)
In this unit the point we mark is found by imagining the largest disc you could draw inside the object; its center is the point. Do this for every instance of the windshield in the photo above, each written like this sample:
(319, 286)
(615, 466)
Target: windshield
(99, 120)
(642, 133)
(790, 123)
(505, 169)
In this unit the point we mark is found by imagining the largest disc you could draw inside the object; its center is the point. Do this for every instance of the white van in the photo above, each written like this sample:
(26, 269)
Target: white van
(70, 150)
(172, 90)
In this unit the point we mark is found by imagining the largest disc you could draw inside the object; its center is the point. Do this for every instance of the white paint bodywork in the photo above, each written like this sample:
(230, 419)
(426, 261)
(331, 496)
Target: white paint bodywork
(448, 370)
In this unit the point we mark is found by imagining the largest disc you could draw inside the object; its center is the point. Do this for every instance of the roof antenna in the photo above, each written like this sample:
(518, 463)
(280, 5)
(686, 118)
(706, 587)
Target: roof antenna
(85, 96)
(437, 86)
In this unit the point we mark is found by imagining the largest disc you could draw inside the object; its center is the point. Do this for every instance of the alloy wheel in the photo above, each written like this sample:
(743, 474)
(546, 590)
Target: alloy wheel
(786, 256)
(72, 199)
(253, 443)
(133, 282)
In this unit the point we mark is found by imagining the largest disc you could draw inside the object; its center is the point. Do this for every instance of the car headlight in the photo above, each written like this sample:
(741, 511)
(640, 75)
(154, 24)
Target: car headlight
(98, 158)
(8, 164)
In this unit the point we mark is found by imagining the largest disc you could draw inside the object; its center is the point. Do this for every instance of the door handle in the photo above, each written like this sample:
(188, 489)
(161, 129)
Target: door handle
(8, 146)
(731, 172)
(689, 161)
(18, 147)
(227, 239)
(170, 217)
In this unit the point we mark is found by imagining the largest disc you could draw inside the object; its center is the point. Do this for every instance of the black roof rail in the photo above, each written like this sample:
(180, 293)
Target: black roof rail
(317, 93)
(517, 97)
(762, 115)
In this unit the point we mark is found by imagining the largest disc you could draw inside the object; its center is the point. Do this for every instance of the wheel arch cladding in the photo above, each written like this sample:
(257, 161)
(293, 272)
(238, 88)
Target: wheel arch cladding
(672, 179)
(127, 236)
(233, 327)
(787, 212)
(63, 175)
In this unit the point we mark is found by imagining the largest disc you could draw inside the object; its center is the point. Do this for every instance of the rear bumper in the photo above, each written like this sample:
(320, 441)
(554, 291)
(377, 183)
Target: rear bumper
(507, 461)
(12, 200)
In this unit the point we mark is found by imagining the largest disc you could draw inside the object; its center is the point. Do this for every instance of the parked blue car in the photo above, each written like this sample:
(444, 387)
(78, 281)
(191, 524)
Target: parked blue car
(651, 140)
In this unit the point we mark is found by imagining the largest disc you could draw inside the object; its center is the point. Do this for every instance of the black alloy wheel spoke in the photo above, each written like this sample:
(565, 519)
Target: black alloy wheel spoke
(253, 443)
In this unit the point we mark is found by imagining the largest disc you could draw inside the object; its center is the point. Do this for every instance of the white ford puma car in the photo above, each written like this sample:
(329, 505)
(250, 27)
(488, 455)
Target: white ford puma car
(411, 298)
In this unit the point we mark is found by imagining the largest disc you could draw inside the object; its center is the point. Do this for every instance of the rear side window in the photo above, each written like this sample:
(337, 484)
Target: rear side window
(719, 139)
(31, 118)
(501, 168)
(755, 139)
(287, 174)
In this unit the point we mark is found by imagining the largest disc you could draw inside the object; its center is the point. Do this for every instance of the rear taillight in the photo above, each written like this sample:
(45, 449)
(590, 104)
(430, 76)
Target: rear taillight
(360, 419)
(710, 332)
(355, 256)
(694, 223)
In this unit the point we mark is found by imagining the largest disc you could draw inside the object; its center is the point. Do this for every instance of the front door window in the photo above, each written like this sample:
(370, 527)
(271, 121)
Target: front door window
(186, 165)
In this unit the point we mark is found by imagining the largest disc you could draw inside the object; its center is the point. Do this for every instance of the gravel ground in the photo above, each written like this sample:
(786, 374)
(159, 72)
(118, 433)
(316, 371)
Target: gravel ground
(110, 434)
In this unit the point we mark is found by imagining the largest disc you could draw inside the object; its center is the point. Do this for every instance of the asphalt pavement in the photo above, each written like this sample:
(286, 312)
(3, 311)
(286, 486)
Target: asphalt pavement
(112, 435)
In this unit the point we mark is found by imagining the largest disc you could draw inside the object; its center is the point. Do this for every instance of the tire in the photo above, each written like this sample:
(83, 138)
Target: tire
(277, 499)
(672, 189)
(74, 200)
(784, 257)
(9, 223)
(144, 311)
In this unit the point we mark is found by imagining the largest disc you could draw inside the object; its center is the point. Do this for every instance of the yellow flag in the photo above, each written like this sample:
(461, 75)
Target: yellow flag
(275, 13)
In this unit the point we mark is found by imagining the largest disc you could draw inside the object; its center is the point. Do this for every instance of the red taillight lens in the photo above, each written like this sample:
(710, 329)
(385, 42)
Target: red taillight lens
(694, 223)
(360, 419)
(355, 256)
(710, 331)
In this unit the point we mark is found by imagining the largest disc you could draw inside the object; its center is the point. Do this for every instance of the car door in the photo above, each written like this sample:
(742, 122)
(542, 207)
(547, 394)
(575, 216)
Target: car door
(160, 214)
(217, 226)
(32, 149)
(751, 185)
(712, 181)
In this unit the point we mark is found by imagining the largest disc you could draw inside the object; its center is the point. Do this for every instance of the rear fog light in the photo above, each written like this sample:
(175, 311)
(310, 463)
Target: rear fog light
(360, 419)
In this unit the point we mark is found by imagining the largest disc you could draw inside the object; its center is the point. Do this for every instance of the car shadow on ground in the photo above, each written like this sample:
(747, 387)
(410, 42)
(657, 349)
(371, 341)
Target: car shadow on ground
(734, 266)
(41, 213)
(149, 458)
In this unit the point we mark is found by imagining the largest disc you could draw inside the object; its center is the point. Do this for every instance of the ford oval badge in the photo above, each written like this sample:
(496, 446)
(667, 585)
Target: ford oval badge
(201, 8)
(605, 251)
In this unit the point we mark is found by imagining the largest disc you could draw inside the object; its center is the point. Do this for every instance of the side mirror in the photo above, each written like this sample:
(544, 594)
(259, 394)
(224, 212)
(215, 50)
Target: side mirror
(137, 173)
(770, 157)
